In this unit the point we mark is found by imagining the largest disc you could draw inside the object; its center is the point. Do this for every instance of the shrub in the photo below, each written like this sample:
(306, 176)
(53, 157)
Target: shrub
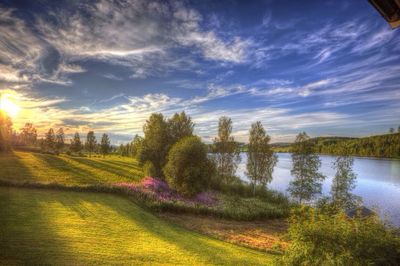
(319, 238)
(149, 169)
(188, 169)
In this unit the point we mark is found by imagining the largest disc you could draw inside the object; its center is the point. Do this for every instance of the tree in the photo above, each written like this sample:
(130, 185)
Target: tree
(391, 130)
(28, 134)
(5, 131)
(60, 138)
(105, 146)
(136, 145)
(226, 152)
(260, 158)
(188, 169)
(76, 144)
(308, 181)
(90, 144)
(398, 129)
(180, 126)
(50, 141)
(156, 143)
(343, 183)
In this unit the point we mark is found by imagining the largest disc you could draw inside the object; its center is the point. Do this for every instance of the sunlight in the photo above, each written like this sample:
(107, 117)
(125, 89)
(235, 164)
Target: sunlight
(9, 106)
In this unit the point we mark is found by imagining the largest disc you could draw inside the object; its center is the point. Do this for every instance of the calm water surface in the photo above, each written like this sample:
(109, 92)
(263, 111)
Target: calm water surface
(378, 181)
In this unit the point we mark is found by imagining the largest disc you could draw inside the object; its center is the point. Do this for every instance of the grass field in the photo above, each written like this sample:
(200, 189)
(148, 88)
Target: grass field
(59, 227)
(67, 170)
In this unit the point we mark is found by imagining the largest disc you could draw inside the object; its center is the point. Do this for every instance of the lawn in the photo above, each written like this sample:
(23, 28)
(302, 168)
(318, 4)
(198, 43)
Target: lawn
(67, 170)
(60, 227)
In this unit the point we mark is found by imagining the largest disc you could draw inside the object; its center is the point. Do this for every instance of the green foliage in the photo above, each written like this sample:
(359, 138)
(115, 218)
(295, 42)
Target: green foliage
(159, 136)
(188, 169)
(60, 138)
(5, 131)
(260, 158)
(319, 238)
(180, 126)
(132, 149)
(382, 146)
(91, 143)
(149, 169)
(50, 141)
(105, 146)
(28, 134)
(225, 152)
(76, 144)
(156, 142)
(343, 183)
(308, 181)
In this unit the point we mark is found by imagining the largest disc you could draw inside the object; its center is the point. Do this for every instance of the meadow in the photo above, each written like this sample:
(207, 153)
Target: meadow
(30, 167)
(66, 228)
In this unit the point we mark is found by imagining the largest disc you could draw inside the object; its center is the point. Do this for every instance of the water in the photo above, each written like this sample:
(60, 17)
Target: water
(378, 181)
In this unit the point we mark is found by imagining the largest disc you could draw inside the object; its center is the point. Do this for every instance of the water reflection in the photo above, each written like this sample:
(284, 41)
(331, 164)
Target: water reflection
(378, 181)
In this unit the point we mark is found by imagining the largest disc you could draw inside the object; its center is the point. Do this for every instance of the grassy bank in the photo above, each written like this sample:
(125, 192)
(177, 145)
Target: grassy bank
(95, 174)
(59, 227)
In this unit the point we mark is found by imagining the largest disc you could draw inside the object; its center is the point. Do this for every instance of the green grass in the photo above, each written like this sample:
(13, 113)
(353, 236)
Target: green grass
(19, 167)
(59, 227)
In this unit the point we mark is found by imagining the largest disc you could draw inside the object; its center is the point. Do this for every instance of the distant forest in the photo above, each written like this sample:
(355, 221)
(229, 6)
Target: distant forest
(382, 146)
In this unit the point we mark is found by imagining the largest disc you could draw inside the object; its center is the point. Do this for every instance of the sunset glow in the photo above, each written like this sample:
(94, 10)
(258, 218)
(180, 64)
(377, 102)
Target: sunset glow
(9, 106)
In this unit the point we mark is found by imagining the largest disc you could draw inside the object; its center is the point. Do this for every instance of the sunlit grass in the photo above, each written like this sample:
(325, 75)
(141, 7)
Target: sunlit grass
(58, 227)
(43, 168)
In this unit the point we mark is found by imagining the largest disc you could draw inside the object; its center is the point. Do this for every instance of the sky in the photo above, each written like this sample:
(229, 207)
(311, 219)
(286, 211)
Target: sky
(324, 67)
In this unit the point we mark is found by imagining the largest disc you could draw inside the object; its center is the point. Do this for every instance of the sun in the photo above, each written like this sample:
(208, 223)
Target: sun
(9, 106)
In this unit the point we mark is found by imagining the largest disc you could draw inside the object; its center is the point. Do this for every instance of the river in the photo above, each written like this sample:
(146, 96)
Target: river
(378, 181)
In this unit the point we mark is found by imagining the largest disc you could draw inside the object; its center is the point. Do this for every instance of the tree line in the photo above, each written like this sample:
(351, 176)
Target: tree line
(53, 142)
(170, 150)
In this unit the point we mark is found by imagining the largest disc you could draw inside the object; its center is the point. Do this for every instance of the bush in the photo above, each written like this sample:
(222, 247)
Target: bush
(188, 169)
(149, 169)
(319, 238)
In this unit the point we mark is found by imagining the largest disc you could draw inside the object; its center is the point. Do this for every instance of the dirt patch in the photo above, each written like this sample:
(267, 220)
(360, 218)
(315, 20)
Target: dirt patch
(262, 235)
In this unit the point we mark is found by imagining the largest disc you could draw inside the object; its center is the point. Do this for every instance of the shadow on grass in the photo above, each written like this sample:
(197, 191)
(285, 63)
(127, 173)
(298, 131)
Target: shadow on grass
(106, 167)
(134, 166)
(32, 232)
(211, 250)
(78, 174)
(27, 236)
(14, 169)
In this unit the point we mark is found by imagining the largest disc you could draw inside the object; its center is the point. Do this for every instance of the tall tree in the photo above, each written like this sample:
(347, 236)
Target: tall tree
(391, 130)
(136, 145)
(156, 142)
(28, 134)
(261, 159)
(90, 144)
(180, 126)
(226, 152)
(308, 181)
(105, 146)
(50, 140)
(5, 131)
(343, 183)
(60, 140)
(76, 144)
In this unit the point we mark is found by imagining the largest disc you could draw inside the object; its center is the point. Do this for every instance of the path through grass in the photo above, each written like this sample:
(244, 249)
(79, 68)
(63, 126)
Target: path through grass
(59, 227)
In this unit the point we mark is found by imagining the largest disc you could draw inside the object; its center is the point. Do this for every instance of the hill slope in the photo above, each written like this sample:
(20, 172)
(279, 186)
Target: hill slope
(58, 227)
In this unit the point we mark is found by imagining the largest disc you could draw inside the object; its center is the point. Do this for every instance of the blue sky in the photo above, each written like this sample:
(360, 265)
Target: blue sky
(324, 67)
